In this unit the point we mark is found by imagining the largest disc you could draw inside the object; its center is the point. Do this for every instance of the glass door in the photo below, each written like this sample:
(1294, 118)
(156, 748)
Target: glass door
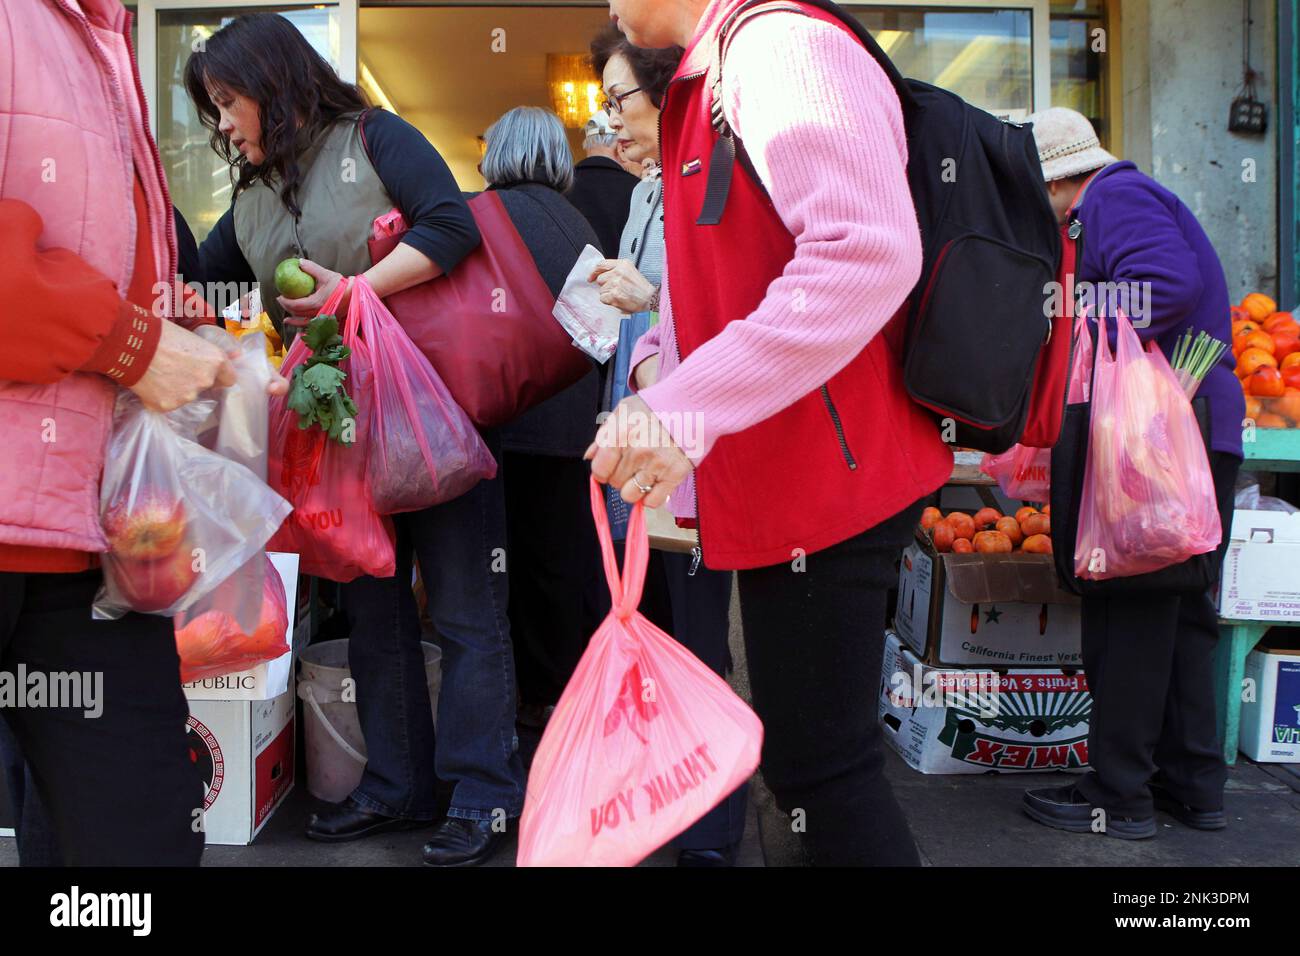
(170, 30)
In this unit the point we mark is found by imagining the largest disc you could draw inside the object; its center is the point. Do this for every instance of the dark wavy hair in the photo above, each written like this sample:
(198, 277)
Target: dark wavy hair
(653, 69)
(298, 95)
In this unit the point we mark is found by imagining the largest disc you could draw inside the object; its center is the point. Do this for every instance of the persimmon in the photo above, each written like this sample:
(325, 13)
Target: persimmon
(1036, 524)
(962, 546)
(1037, 544)
(943, 537)
(1238, 314)
(1025, 512)
(1047, 509)
(1291, 361)
(1291, 376)
(992, 542)
(1259, 306)
(1247, 325)
(930, 517)
(1288, 406)
(1253, 407)
(1254, 340)
(1271, 420)
(1284, 344)
(1011, 528)
(963, 525)
(1252, 360)
(1280, 321)
(985, 518)
(1266, 382)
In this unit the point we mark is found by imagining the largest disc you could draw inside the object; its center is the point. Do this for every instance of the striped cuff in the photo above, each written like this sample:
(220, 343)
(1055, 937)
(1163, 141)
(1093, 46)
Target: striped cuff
(129, 347)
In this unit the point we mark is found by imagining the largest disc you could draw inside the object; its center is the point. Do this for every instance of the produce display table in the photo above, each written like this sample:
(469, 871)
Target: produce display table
(1274, 449)
(966, 474)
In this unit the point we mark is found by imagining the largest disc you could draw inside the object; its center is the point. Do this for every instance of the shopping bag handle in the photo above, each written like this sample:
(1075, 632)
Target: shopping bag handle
(625, 589)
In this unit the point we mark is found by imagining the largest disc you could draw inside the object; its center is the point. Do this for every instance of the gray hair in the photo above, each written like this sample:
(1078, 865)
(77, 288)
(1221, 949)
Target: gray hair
(596, 139)
(528, 143)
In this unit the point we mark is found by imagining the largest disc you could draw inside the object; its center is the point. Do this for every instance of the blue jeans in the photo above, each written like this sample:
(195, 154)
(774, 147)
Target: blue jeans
(477, 751)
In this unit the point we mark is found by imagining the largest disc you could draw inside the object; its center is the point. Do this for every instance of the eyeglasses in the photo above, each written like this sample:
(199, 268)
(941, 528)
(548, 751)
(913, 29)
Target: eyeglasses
(614, 104)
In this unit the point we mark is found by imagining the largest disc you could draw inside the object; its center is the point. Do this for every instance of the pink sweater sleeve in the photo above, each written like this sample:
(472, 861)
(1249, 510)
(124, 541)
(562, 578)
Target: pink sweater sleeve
(824, 129)
(646, 346)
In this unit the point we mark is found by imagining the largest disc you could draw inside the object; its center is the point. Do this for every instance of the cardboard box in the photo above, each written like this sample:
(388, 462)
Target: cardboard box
(993, 610)
(245, 749)
(269, 679)
(945, 720)
(1260, 578)
(1270, 724)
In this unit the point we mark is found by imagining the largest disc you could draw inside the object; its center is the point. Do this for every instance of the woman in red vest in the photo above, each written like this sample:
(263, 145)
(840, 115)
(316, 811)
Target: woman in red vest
(788, 405)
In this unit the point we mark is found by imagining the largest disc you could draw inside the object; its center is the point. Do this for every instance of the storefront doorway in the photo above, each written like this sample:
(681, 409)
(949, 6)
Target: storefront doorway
(452, 68)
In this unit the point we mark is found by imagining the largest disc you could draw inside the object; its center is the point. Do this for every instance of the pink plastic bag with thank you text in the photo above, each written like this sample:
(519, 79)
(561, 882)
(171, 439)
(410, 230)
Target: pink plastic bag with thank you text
(644, 741)
(423, 448)
(1148, 494)
(1025, 473)
(334, 527)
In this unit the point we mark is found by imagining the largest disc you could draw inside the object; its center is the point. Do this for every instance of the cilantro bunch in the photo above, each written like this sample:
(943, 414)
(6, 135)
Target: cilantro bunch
(317, 393)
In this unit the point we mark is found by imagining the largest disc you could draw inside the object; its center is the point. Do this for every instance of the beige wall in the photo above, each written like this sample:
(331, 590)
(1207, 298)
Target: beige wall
(438, 67)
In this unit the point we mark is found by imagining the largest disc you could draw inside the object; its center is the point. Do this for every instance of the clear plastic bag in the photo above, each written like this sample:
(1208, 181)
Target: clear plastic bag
(334, 528)
(1148, 494)
(593, 324)
(179, 518)
(242, 414)
(212, 643)
(423, 448)
(644, 741)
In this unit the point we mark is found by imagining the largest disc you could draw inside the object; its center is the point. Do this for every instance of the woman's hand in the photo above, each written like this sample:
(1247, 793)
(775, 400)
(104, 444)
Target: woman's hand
(298, 312)
(633, 451)
(184, 365)
(646, 373)
(622, 286)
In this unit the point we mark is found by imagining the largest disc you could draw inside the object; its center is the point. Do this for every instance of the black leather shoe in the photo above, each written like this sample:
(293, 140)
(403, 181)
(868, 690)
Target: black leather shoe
(1065, 808)
(1186, 814)
(722, 856)
(351, 821)
(460, 842)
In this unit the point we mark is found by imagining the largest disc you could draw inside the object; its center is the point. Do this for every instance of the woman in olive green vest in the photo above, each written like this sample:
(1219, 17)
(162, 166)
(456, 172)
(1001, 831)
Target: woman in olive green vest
(313, 169)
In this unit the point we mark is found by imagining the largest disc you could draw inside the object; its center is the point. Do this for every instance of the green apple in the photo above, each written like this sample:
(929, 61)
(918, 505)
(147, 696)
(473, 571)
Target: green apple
(292, 282)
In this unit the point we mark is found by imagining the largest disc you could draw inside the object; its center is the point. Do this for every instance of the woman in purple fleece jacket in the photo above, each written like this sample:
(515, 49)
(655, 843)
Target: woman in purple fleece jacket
(1149, 657)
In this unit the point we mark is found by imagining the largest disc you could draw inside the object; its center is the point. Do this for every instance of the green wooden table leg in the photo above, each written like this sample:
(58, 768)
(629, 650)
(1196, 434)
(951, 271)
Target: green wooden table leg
(1236, 641)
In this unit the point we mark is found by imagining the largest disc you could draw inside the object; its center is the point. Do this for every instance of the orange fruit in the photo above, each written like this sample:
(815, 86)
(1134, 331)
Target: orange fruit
(1291, 361)
(1245, 325)
(1011, 528)
(1036, 524)
(1266, 382)
(1280, 320)
(962, 546)
(1284, 344)
(992, 542)
(930, 517)
(1288, 406)
(943, 537)
(986, 518)
(1291, 376)
(1037, 544)
(1254, 340)
(1271, 420)
(1238, 314)
(1259, 306)
(1047, 509)
(1025, 512)
(1253, 359)
(963, 525)
(1253, 407)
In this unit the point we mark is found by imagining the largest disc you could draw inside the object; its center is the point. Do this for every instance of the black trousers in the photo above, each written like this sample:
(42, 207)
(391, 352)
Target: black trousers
(814, 640)
(118, 788)
(556, 582)
(1149, 659)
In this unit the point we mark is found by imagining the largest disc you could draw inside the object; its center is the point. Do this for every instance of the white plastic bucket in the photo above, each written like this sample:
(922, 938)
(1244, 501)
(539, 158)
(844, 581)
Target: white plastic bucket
(336, 751)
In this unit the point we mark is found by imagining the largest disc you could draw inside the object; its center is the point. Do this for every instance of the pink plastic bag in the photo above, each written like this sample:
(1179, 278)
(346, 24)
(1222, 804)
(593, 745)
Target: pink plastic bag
(1148, 495)
(423, 449)
(644, 741)
(333, 527)
(212, 643)
(1025, 473)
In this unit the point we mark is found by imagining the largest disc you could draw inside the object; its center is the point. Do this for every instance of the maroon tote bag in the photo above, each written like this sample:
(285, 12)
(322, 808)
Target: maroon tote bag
(486, 327)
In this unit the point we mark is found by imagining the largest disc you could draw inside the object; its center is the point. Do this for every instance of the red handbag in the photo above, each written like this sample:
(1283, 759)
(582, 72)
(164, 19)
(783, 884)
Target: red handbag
(486, 327)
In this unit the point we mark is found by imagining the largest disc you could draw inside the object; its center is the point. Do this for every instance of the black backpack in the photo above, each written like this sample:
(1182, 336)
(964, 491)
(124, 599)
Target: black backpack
(979, 318)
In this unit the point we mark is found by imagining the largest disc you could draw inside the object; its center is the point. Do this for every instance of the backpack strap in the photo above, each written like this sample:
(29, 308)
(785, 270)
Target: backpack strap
(729, 147)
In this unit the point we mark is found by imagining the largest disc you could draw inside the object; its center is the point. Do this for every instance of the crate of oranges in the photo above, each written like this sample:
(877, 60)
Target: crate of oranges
(1266, 343)
(989, 531)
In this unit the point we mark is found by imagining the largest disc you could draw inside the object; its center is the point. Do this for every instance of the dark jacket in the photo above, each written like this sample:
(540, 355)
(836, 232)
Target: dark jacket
(555, 234)
(602, 191)
(1137, 231)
